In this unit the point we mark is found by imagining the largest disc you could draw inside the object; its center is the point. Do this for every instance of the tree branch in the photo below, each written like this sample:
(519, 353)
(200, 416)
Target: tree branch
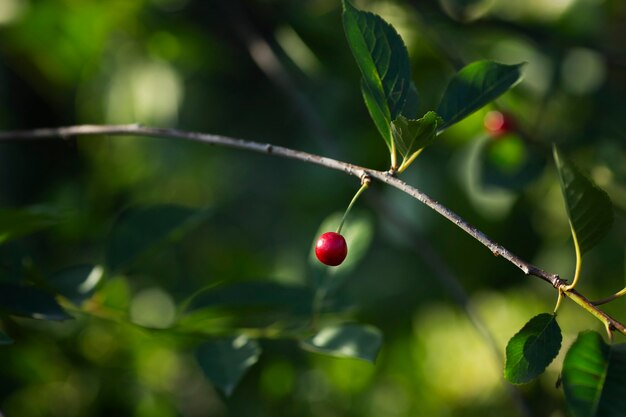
(350, 169)
(423, 248)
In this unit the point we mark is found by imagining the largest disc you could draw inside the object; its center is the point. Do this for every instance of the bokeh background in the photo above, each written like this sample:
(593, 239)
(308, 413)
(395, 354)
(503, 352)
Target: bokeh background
(280, 71)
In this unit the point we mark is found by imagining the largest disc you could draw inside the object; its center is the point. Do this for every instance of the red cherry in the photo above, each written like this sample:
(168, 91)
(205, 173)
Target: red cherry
(331, 249)
(497, 123)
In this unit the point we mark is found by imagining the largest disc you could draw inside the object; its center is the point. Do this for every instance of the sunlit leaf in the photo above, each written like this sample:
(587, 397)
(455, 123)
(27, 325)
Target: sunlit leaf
(139, 230)
(4, 339)
(77, 283)
(594, 377)
(589, 208)
(473, 87)
(412, 136)
(531, 350)
(30, 302)
(225, 361)
(16, 223)
(384, 63)
(346, 340)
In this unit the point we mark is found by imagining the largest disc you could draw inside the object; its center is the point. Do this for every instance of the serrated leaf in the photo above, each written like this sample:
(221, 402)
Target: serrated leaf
(531, 350)
(30, 302)
(473, 87)
(224, 362)
(589, 208)
(139, 230)
(594, 377)
(384, 63)
(346, 341)
(412, 136)
(4, 339)
(16, 223)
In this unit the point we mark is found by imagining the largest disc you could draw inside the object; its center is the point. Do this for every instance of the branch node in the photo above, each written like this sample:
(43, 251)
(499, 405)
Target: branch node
(557, 282)
(366, 180)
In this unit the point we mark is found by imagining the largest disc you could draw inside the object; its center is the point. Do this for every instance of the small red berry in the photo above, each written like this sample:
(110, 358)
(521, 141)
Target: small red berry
(331, 249)
(498, 123)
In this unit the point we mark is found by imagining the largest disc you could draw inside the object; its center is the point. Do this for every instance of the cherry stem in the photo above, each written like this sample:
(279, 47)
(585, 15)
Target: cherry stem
(365, 182)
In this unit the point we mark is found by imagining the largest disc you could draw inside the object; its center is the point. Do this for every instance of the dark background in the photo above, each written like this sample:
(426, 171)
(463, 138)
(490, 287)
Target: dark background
(280, 71)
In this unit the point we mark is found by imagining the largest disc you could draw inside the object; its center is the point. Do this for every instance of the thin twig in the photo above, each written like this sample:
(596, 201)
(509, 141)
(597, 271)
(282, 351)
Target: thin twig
(424, 249)
(263, 55)
(350, 169)
(432, 259)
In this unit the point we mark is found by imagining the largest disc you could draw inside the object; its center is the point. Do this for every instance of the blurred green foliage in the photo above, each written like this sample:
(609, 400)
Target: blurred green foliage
(235, 218)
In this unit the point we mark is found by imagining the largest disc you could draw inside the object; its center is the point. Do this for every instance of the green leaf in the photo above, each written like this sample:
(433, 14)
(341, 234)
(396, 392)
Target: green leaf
(16, 223)
(594, 377)
(384, 63)
(474, 86)
(380, 115)
(256, 295)
(589, 208)
(30, 302)
(77, 283)
(531, 350)
(4, 339)
(465, 11)
(253, 304)
(412, 103)
(140, 230)
(346, 341)
(224, 362)
(412, 136)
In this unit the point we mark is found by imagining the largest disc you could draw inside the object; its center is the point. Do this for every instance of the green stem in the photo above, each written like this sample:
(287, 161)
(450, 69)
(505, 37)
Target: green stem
(609, 322)
(406, 162)
(392, 151)
(558, 301)
(579, 259)
(610, 298)
(364, 186)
